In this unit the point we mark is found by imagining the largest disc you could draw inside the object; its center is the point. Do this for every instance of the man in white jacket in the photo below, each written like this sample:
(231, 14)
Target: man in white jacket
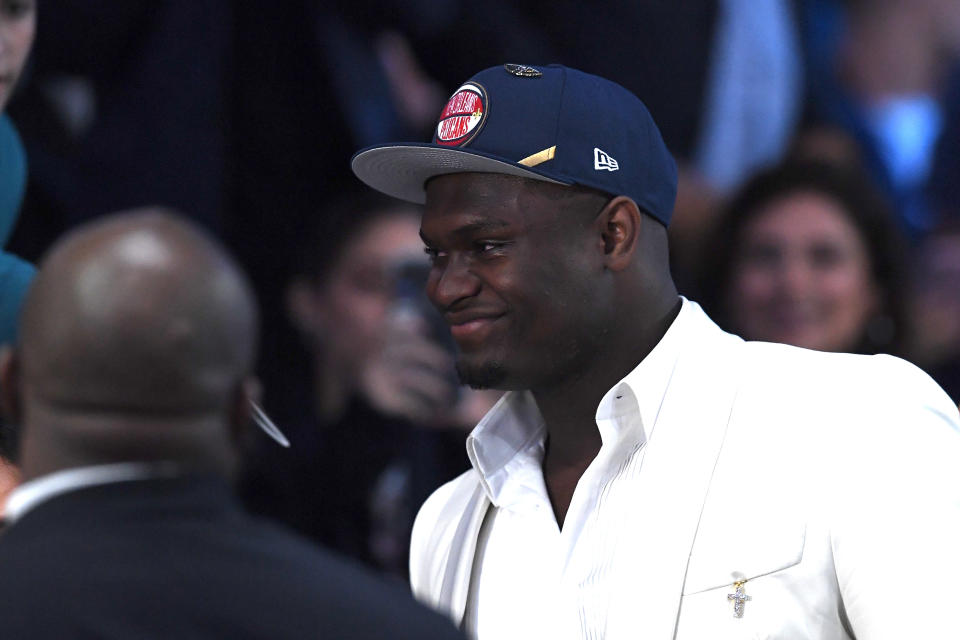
(648, 475)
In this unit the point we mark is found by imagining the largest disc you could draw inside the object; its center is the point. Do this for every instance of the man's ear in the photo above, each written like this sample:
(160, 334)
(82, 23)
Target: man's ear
(619, 223)
(10, 384)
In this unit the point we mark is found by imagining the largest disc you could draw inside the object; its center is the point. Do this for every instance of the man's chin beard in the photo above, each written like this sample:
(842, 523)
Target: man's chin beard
(486, 375)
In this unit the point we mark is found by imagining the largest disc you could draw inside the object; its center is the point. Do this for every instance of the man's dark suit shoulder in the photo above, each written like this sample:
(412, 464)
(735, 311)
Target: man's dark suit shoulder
(178, 558)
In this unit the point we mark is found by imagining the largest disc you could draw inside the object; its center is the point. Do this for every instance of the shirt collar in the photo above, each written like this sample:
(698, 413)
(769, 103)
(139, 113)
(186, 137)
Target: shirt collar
(635, 401)
(29, 494)
(511, 436)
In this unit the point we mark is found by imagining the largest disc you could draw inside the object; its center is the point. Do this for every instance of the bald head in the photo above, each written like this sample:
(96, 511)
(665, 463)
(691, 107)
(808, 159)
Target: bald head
(135, 338)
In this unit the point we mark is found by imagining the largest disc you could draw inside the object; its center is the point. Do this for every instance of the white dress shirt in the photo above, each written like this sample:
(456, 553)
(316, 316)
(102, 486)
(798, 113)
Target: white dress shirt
(535, 580)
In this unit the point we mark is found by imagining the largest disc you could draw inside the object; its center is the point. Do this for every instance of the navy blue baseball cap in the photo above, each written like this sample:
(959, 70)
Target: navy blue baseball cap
(548, 123)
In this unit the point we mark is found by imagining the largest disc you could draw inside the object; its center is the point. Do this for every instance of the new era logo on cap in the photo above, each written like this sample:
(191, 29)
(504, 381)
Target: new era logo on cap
(602, 160)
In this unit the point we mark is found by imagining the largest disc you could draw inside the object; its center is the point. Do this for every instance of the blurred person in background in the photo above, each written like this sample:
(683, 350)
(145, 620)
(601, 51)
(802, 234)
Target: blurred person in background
(17, 27)
(808, 254)
(936, 307)
(886, 72)
(124, 105)
(342, 303)
(384, 421)
(18, 22)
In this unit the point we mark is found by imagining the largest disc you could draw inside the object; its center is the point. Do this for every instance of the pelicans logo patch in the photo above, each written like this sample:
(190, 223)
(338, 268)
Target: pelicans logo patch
(463, 116)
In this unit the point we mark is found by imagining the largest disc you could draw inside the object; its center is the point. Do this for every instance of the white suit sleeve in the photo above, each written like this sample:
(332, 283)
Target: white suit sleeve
(896, 525)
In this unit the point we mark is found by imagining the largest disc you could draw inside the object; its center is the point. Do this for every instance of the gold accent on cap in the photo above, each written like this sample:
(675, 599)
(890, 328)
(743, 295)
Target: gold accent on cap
(539, 157)
(522, 71)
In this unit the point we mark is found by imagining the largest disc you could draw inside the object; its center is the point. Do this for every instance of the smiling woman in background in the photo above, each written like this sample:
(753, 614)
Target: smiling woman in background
(807, 254)
(17, 26)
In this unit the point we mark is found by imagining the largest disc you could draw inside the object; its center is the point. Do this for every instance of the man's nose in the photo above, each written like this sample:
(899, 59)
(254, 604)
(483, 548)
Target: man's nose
(451, 282)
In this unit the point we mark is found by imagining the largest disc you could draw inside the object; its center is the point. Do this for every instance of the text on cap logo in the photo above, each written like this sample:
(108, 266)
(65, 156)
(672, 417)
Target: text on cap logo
(463, 116)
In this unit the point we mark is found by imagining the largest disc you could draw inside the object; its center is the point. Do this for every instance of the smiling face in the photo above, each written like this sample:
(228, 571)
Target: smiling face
(803, 276)
(517, 274)
(17, 25)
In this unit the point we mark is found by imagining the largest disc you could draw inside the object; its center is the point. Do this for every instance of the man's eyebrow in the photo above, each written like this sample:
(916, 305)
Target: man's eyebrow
(473, 227)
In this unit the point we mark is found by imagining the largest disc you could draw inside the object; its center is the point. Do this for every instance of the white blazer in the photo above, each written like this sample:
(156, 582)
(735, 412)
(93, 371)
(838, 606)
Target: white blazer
(830, 483)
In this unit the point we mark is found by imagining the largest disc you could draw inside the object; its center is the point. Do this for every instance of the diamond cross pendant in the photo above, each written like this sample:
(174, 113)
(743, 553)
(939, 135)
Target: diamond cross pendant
(738, 598)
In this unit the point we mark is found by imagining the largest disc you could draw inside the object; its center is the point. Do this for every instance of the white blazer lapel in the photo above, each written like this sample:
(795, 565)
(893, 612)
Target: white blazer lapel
(456, 576)
(675, 476)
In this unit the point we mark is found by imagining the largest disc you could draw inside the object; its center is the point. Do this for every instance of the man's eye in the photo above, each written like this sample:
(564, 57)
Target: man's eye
(488, 246)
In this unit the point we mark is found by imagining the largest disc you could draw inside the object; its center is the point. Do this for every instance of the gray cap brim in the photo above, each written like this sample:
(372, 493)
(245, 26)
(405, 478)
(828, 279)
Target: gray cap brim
(402, 170)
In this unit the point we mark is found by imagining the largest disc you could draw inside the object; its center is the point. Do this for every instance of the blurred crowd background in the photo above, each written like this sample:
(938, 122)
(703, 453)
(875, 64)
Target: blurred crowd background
(818, 143)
